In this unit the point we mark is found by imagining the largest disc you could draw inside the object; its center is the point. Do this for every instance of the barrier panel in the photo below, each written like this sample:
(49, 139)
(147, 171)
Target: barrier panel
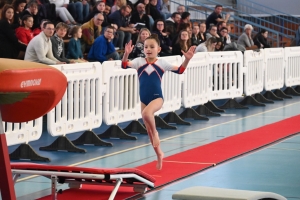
(197, 79)
(274, 68)
(171, 87)
(18, 133)
(227, 74)
(81, 106)
(254, 72)
(292, 69)
(121, 100)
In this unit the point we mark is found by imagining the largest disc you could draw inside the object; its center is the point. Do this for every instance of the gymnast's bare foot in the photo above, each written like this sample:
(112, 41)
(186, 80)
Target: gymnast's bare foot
(160, 156)
(155, 140)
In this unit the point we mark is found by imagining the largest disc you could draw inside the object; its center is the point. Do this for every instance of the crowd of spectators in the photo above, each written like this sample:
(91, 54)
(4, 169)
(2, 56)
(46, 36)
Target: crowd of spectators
(70, 31)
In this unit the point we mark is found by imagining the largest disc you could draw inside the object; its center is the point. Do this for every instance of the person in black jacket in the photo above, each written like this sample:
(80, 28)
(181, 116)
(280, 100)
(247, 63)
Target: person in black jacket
(165, 42)
(260, 40)
(18, 6)
(10, 46)
(182, 44)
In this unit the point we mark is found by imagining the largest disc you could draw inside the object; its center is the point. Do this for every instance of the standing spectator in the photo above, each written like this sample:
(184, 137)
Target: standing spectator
(58, 46)
(180, 9)
(260, 40)
(119, 4)
(39, 48)
(140, 17)
(138, 50)
(165, 42)
(124, 32)
(10, 46)
(91, 30)
(74, 46)
(103, 48)
(18, 6)
(212, 32)
(208, 46)
(216, 17)
(24, 32)
(62, 11)
(245, 39)
(182, 44)
(79, 9)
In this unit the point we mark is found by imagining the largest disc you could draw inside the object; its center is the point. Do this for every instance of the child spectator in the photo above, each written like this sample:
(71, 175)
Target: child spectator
(24, 32)
(74, 46)
(58, 46)
(138, 50)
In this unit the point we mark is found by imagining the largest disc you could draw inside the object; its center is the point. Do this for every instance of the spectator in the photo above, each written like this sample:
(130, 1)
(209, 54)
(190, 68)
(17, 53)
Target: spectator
(74, 46)
(118, 5)
(32, 9)
(220, 25)
(91, 30)
(207, 46)
(140, 17)
(62, 11)
(228, 39)
(180, 9)
(223, 36)
(185, 18)
(147, 11)
(202, 33)
(165, 42)
(40, 28)
(245, 39)
(196, 38)
(138, 50)
(182, 26)
(10, 46)
(39, 48)
(154, 12)
(24, 32)
(260, 40)
(219, 46)
(103, 48)
(212, 32)
(124, 32)
(165, 9)
(172, 24)
(58, 46)
(18, 6)
(107, 10)
(79, 9)
(183, 43)
(216, 17)
(99, 8)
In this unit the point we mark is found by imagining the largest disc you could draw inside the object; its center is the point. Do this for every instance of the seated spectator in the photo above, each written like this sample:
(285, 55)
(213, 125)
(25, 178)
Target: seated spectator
(216, 17)
(118, 5)
(62, 11)
(139, 16)
(99, 8)
(207, 46)
(74, 46)
(180, 9)
(219, 46)
(165, 42)
(164, 9)
(154, 12)
(228, 39)
(58, 46)
(182, 44)
(202, 33)
(182, 26)
(147, 11)
(196, 38)
(223, 36)
(24, 32)
(245, 39)
(212, 32)
(172, 24)
(124, 32)
(32, 9)
(79, 9)
(185, 18)
(138, 50)
(103, 48)
(39, 48)
(40, 28)
(260, 40)
(18, 6)
(107, 10)
(220, 25)
(91, 30)
(10, 46)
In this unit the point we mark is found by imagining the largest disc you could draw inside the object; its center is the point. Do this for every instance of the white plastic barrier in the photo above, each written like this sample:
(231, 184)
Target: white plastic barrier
(274, 68)
(81, 106)
(121, 100)
(254, 72)
(292, 66)
(227, 74)
(18, 133)
(171, 87)
(196, 88)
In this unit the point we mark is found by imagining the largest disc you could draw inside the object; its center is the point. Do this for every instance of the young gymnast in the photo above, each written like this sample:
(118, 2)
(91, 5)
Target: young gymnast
(150, 71)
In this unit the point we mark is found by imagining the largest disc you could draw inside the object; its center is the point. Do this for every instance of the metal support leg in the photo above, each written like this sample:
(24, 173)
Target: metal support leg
(53, 187)
(15, 177)
(115, 190)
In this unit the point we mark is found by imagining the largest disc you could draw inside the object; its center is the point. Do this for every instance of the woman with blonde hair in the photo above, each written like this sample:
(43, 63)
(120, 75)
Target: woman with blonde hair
(207, 46)
(138, 49)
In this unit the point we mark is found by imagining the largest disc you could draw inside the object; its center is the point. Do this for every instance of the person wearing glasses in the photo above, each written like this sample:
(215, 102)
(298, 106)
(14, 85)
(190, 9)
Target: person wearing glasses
(39, 48)
(91, 30)
(213, 32)
(103, 48)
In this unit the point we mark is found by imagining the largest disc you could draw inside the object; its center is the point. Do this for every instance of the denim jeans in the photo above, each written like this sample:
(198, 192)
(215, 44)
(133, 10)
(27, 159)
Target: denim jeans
(79, 11)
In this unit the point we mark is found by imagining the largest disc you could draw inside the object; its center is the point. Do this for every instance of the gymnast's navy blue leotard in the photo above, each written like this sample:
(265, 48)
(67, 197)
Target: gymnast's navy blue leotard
(150, 76)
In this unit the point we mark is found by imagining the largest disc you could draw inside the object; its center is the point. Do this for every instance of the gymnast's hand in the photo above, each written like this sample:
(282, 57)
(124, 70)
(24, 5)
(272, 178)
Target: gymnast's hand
(128, 47)
(190, 53)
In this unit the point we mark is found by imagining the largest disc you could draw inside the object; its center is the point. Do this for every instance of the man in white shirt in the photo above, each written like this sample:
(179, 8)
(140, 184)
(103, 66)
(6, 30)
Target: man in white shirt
(39, 48)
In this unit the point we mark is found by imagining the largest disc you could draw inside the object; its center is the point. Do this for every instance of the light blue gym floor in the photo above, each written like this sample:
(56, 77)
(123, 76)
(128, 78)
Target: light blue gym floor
(274, 168)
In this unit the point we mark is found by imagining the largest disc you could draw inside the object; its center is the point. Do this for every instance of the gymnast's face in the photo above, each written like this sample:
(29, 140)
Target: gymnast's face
(151, 48)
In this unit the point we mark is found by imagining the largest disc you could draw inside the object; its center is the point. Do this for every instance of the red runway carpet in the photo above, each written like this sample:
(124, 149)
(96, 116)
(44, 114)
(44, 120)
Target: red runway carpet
(197, 159)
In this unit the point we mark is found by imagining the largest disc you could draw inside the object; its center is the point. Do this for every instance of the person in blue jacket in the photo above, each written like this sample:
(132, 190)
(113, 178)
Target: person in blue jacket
(103, 48)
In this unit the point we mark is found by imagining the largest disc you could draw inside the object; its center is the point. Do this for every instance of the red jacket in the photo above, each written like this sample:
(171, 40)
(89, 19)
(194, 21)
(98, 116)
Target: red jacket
(24, 35)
